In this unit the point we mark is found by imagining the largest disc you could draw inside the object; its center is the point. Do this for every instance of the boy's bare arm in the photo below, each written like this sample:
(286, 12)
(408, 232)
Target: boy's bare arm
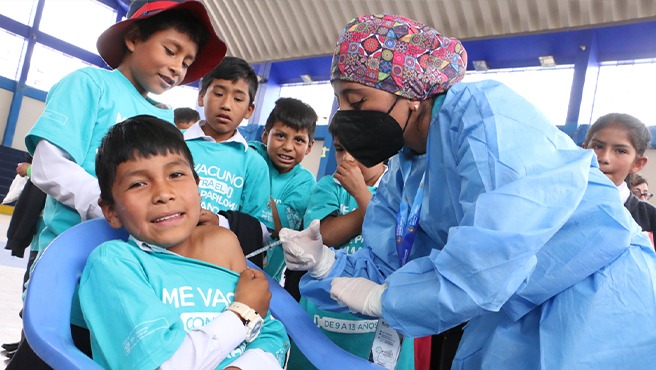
(216, 245)
(337, 230)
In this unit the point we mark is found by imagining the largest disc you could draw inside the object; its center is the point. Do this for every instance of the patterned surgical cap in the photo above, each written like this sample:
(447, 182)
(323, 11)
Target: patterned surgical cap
(398, 55)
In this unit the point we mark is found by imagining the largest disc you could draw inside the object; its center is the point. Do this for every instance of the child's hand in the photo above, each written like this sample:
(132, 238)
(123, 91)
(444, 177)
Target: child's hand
(21, 169)
(350, 176)
(253, 290)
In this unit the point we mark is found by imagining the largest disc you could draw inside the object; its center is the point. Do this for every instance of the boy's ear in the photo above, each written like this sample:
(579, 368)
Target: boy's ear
(131, 37)
(110, 214)
(639, 164)
(201, 96)
(265, 136)
(309, 148)
(250, 111)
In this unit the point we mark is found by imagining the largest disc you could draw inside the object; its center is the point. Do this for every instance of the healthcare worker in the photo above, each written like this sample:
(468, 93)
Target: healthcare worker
(503, 221)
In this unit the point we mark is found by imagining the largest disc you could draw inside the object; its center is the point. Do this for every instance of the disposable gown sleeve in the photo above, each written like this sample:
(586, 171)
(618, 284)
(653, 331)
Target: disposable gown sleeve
(513, 179)
(374, 265)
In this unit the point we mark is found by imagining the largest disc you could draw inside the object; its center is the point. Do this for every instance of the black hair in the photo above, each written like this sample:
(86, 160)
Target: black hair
(181, 20)
(140, 136)
(185, 114)
(293, 113)
(637, 179)
(335, 131)
(232, 69)
(638, 131)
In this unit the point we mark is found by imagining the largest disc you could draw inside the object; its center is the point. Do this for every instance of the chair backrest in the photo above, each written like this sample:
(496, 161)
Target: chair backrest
(46, 317)
(47, 312)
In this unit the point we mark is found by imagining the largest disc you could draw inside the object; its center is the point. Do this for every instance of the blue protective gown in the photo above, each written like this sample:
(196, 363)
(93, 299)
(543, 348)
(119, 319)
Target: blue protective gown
(519, 234)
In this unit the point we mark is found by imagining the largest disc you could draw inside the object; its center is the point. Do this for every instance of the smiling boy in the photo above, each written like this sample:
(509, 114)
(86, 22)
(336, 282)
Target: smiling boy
(175, 295)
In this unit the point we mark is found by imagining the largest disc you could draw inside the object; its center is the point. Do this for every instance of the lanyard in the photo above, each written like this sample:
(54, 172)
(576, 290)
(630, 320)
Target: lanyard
(406, 223)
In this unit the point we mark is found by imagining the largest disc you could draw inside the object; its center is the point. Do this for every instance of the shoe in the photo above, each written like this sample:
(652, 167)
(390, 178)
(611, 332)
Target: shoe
(10, 347)
(10, 355)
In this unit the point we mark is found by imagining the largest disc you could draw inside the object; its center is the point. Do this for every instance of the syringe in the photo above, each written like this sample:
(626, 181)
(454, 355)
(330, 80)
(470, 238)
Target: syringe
(264, 249)
(274, 244)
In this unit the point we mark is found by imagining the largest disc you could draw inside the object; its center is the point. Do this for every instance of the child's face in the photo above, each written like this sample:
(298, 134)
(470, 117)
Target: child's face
(155, 199)
(286, 146)
(615, 153)
(642, 191)
(159, 63)
(342, 155)
(225, 104)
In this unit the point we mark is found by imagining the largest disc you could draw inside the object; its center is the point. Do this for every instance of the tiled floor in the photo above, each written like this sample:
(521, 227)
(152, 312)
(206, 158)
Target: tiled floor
(11, 278)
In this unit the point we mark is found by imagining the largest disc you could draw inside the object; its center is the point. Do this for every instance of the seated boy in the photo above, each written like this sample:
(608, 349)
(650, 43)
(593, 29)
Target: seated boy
(184, 117)
(176, 295)
(287, 138)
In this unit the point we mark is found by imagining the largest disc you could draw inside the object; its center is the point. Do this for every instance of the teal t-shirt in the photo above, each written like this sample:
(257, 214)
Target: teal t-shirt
(79, 111)
(291, 192)
(233, 177)
(348, 331)
(139, 305)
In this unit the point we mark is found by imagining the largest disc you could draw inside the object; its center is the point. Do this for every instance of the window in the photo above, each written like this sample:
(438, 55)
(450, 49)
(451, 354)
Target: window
(62, 19)
(547, 88)
(13, 52)
(49, 66)
(179, 96)
(626, 87)
(319, 96)
(19, 10)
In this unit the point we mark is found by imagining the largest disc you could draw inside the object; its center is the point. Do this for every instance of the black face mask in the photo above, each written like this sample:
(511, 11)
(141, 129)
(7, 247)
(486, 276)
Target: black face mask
(369, 136)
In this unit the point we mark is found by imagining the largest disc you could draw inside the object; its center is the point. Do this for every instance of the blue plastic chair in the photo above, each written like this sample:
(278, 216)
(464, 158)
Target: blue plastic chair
(47, 311)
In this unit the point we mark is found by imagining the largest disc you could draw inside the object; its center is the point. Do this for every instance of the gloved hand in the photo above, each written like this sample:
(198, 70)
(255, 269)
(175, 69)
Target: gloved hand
(360, 295)
(304, 250)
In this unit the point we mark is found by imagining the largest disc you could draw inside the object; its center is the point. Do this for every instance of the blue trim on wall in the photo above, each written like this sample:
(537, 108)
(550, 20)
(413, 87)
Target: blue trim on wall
(515, 51)
(7, 84)
(14, 26)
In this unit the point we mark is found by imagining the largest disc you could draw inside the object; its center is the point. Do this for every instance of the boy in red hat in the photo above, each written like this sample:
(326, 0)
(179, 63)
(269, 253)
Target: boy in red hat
(160, 45)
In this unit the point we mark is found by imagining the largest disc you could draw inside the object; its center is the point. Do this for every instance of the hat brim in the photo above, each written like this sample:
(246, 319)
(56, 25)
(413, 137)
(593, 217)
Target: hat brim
(110, 42)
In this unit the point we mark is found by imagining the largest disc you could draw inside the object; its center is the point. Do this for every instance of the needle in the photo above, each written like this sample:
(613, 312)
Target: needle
(265, 248)
(274, 244)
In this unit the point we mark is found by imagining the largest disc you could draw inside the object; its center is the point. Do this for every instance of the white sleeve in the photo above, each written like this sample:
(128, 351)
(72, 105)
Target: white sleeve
(266, 234)
(207, 346)
(55, 173)
(256, 359)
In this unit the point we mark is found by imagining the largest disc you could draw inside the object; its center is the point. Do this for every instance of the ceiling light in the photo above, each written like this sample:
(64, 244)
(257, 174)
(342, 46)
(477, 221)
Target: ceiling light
(306, 78)
(480, 65)
(547, 61)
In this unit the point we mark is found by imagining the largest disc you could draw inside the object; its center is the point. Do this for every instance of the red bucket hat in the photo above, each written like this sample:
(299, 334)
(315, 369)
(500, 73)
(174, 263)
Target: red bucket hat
(398, 55)
(110, 42)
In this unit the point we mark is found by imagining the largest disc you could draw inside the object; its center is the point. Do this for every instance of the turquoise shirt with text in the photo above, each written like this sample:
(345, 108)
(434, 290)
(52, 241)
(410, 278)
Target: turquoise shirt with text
(233, 177)
(139, 305)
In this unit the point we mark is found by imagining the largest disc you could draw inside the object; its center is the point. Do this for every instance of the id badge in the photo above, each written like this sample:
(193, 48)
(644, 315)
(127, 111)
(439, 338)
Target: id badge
(386, 347)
